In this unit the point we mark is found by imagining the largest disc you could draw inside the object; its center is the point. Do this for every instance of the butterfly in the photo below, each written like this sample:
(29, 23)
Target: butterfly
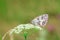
(40, 20)
(37, 22)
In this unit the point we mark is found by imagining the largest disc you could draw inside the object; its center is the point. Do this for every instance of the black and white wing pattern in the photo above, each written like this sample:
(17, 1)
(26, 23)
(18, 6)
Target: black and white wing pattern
(40, 20)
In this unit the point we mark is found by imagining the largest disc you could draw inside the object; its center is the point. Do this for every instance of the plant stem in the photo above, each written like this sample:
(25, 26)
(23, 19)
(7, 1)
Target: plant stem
(25, 35)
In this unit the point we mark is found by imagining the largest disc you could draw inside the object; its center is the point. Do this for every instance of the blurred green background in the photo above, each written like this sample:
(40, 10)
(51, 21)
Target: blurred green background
(15, 12)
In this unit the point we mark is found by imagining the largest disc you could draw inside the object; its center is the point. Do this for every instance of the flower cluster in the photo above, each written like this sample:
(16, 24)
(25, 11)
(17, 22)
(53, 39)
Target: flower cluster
(20, 27)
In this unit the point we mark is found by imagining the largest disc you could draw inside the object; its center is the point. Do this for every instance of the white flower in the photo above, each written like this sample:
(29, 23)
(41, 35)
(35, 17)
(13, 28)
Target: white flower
(17, 31)
(29, 26)
(19, 28)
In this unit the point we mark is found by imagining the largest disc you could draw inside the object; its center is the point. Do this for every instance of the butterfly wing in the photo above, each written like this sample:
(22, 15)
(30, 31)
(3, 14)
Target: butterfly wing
(40, 20)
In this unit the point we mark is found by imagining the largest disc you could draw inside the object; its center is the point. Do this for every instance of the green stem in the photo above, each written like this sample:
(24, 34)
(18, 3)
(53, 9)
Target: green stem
(25, 35)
